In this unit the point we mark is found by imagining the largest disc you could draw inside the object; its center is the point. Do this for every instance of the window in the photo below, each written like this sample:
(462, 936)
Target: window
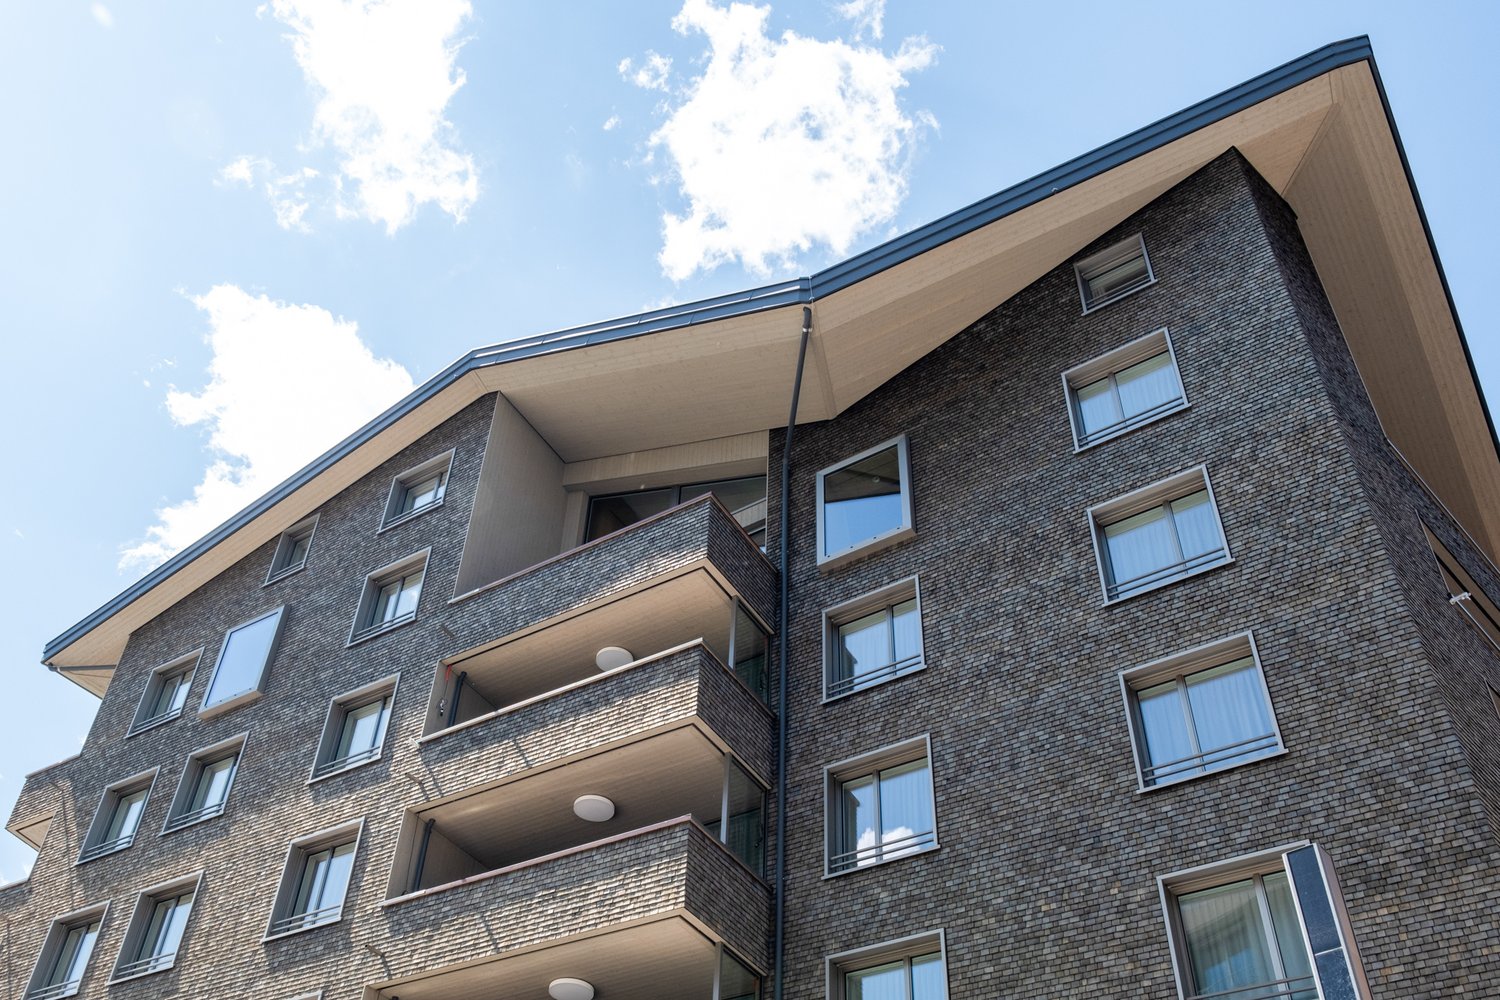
(354, 733)
(1199, 711)
(909, 969)
(745, 498)
(1159, 534)
(864, 502)
(1464, 593)
(315, 880)
(291, 550)
(206, 780)
(390, 597)
(416, 490)
(1124, 389)
(240, 672)
(65, 954)
(1114, 273)
(872, 639)
(166, 693)
(880, 807)
(118, 817)
(156, 928)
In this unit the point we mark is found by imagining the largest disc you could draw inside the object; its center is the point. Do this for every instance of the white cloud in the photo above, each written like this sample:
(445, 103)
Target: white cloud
(102, 15)
(652, 74)
(383, 72)
(611, 123)
(868, 17)
(287, 193)
(779, 144)
(285, 383)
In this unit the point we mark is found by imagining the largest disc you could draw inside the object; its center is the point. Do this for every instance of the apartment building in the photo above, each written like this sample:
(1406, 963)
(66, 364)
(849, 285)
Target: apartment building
(1113, 616)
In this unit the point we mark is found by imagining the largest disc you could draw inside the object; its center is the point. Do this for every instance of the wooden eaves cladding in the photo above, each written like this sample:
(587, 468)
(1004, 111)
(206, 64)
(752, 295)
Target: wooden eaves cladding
(1317, 129)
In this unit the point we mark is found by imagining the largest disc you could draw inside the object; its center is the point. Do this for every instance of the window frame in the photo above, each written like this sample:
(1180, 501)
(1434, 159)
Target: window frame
(333, 726)
(1098, 260)
(1186, 663)
(370, 592)
(298, 851)
(280, 569)
(192, 772)
(1161, 493)
(140, 918)
(187, 664)
(207, 711)
(1109, 365)
(869, 764)
(402, 483)
(886, 597)
(104, 814)
(906, 529)
(838, 966)
(51, 951)
(1464, 593)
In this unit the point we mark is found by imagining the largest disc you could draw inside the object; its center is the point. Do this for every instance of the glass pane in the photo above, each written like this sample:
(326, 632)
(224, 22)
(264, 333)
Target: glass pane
(411, 590)
(928, 981)
(607, 514)
(325, 877)
(73, 957)
(364, 728)
(243, 660)
(1197, 525)
(1226, 940)
(883, 982)
(861, 501)
(905, 808)
(750, 648)
(1147, 385)
(864, 645)
(858, 826)
(1295, 962)
(213, 784)
(735, 981)
(297, 551)
(422, 493)
(1117, 277)
(1138, 546)
(1164, 732)
(168, 921)
(126, 816)
(908, 630)
(178, 688)
(1098, 406)
(732, 493)
(1229, 710)
(746, 836)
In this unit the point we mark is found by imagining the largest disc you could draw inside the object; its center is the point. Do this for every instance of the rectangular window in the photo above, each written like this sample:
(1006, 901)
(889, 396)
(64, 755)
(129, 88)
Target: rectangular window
(65, 954)
(872, 639)
(1124, 389)
(390, 597)
(166, 693)
(1199, 711)
(864, 503)
(1464, 594)
(315, 880)
(1157, 535)
(880, 807)
(157, 928)
(203, 791)
(292, 549)
(118, 817)
(354, 732)
(909, 969)
(1113, 273)
(416, 490)
(240, 672)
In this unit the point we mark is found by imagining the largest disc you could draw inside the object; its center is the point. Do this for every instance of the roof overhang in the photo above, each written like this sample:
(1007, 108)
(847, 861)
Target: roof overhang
(1318, 129)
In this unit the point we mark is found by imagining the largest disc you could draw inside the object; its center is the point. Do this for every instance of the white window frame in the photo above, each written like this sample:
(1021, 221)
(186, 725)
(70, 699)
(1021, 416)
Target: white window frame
(51, 951)
(907, 528)
(1109, 365)
(1186, 663)
(186, 664)
(1111, 254)
(140, 917)
(392, 514)
(207, 711)
(104, 812)
(187, 783)
(871, 763)
(842, 614)
(291, 875)
(339, 707)
(857, 959)
(1163, 491)
(370, 590)
(280, 570)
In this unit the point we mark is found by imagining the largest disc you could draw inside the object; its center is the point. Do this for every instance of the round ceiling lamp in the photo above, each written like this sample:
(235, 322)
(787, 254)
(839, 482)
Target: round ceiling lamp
(613, 658)
(570, 989)
(595, 809)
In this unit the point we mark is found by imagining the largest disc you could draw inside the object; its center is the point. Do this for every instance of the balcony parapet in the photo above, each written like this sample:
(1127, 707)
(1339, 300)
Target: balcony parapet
(686, 685)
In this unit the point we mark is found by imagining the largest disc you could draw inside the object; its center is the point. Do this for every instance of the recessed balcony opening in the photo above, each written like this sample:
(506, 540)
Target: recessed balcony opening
(744, 498)
(662, 616)
(658, 779)
(666, 959)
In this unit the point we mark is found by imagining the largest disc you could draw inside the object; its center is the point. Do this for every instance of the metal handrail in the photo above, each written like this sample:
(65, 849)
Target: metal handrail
(1124, 588)
(153, 963)
(166, 716)
(1221, 754)
(380, 627)
(844, 685)
(108, 847)
(204, 812)
(1125, 423)
(56, 990)
(1280, 987)
(358, 757)
(312, 918)
(845, 860)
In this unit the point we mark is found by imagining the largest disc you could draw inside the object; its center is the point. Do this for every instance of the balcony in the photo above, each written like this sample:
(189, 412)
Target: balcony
(647, 914)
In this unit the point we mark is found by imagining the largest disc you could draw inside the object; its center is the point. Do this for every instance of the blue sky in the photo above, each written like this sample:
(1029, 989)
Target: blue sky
(207, 207)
